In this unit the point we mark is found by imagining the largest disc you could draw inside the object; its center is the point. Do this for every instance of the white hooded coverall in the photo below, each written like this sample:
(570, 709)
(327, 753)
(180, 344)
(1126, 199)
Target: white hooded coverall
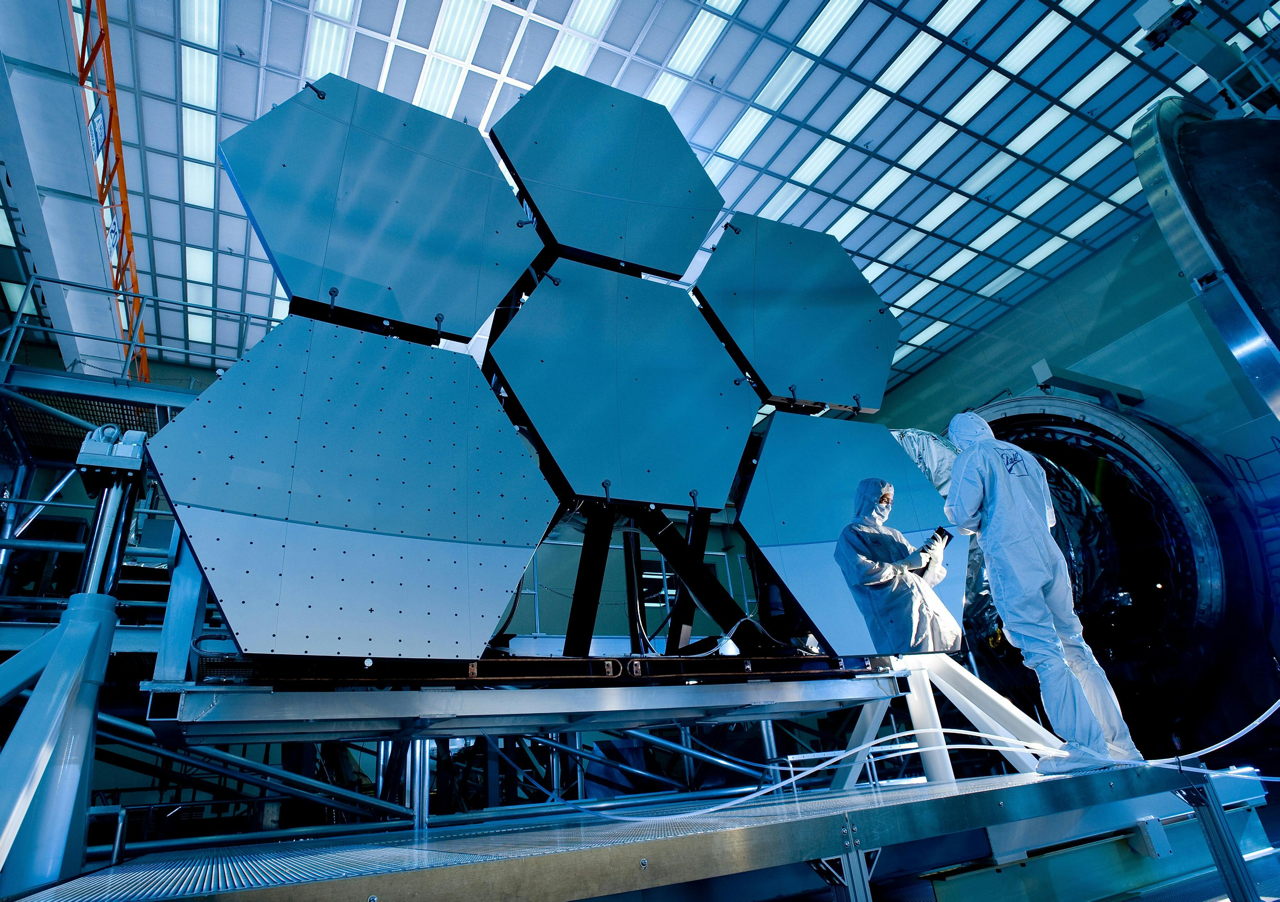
(901, 610)
(1000, 492)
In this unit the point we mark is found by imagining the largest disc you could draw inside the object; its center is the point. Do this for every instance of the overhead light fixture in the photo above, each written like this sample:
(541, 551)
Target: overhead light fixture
(1033, 43)
(199, 78)
(895, 251)
(200, 22)
(328, 46)
(667, 89)
(1040, 254)
(590, 16)
(883, 188)
(744, 132)
(1000, 282)
(977, 97)
(848, 221)
(834, 16)
(571, 53)
(854, 121)
(199, 135)
(915, 295)
(959, 260)
(817, 162)
(1030, 136)
(986, 173)
(929, 144)
(1047, 192)
(439, 86)
(942, 211)
(197, 184)
(697, 43)
(1097, 79)
(781, 201)
(458, 27)
(1127, 191)
(1088, 220)
(948, 18)
(337, 9)
(1091, 157)
(788, 75)
(1003, 227)
(908, 62)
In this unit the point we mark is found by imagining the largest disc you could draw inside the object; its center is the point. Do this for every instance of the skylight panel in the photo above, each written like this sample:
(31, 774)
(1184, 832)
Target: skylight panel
(200, 22)
(854, 121)
(995, 233)
(328, 44)
(929, 144)
(883, 188)
(959, 260)
(908, 62)
(337, 9)
(199, 135)
(977, 97)
(899, 248)
(197, 184)
(1030, 136)
(1023, 53)
(571, 53)
(915, 295)
(819, 35)
(744, 132)
(199, 78)
(1098, 78)
(1040, 254)
(199, 264)
(942, 212)
(1090, 158)
(717, 168)
(697, 43)
(848, 221)
(1000, 282)
(6, 231)
(948, 18)
(725, 6)
(1039, 198)
(874, 270)
(591, 15)
(1087, 220)
(989, 170)
(817, 161)
(199, 325)
(458, 27)
(1269, 19)
(438, 87)
(1127, 191)
(1125, 129)
(1193, 79)
(793, 69)
(279, 303)
(781, 201)
(666, 90)
(1077, 7)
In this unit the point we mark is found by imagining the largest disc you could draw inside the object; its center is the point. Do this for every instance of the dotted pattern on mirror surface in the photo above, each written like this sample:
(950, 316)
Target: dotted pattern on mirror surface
(402, 506)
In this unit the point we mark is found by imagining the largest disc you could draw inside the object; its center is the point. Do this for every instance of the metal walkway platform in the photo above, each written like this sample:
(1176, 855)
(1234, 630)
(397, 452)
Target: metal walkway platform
(577, 856)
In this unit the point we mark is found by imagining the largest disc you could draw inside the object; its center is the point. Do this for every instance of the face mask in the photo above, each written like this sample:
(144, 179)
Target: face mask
(881, 513)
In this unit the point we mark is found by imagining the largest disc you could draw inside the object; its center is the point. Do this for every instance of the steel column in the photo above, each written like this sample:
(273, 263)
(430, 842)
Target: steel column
(865, 730)
(183, 616)
(635, 591)
(770, 749)
(1223, 845)
(680, 626)
(11, 513)
(586, 589)
(924, 718)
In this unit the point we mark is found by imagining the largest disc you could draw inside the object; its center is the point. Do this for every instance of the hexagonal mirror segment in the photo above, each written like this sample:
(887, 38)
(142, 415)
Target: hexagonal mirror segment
(354, 494)
(609, 176)
(799, 314)
(627, 388)
(373, 209)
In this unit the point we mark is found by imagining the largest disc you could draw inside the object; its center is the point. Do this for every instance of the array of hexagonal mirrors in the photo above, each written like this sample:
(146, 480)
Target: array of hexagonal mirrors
(348, 492)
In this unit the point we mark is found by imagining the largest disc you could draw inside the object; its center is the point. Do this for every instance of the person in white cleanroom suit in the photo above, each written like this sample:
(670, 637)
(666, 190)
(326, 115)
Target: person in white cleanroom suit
(892, 581)
(999, 492)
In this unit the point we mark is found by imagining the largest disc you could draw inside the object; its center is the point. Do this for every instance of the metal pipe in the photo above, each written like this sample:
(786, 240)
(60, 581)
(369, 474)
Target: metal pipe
(421, 782)
(119, 538)
(44, 502)
(11, 513)
(249, 778)
(600, 759)
(121, 725)
(758, 774)
(770, 749)
(177, 305)
(49, 330)
(52, 411)
(122, 827)
(100, 545)
(41, 545)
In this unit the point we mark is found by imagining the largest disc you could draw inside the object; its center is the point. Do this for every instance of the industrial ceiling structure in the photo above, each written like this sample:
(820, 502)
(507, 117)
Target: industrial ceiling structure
(964, 152)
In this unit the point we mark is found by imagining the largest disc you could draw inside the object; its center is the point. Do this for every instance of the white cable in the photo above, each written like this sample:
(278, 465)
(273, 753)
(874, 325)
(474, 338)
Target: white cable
(1239, 734)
